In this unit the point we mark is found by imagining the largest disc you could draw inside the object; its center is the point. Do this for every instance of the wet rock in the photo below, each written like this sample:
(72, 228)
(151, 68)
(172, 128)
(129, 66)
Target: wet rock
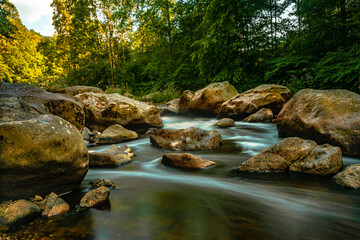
(104, 110)
(40, 155)
(116, 134)
(86, 133)
(184, 139)
(185, 160)
(172, 107)
(349, 177)
(14, 214)
(324, 159)
(278, 157)
(31, 99)
(54, 206)
(326, 116)
(264, 96)
(207, 100)
(264, 115)
(75, 90)
(95, 197)
(101, 182)
(113, 156)
(225, 123)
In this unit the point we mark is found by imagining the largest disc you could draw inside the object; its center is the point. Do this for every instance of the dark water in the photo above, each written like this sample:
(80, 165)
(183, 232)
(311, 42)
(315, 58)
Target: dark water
(157, 202)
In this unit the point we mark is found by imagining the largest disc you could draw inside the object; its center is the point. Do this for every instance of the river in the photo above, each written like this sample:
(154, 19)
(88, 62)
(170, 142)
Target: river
(152, 201)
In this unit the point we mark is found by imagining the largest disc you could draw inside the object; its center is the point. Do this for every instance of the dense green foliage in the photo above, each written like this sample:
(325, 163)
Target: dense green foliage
(155, 45)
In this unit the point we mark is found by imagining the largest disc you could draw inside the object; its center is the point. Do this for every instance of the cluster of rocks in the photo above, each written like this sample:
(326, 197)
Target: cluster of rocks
(19, 212)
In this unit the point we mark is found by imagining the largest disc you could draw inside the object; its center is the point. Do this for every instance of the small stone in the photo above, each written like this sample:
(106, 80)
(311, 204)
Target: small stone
(225, 122)
(16, 213)
(101, 182)
(116, 134)
(264, 115)
(185, 160)
(349, 177)
(112, 156)
(54, 206)
(95, 197)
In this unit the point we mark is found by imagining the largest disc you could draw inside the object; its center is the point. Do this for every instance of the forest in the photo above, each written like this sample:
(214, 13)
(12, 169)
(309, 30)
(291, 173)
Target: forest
(145, 46)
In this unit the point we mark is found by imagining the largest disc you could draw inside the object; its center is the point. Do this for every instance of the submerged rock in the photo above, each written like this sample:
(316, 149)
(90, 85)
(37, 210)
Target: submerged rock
(95, 197)
(225, 123)
(36, 100)
(112, 156)
(326, 116)
(40, 155)
(264, 96)
(14, 214)
(207, 100)
(101, 182)
(185, 160)
(264, 115)
(184, 139)
(115, 134)
(75, 90)
(279, 157)
(54, 206)
(349, 177)
(324, 159)
(104, 110)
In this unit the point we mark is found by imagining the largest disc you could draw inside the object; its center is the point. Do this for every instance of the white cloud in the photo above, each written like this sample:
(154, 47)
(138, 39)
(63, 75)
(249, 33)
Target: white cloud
(36, 14)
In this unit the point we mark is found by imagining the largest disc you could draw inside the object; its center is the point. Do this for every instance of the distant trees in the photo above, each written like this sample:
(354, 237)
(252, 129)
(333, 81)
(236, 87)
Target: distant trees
(143, 45)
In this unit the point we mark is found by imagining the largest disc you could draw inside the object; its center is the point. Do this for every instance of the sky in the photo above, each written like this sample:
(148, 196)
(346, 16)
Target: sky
(36, 14)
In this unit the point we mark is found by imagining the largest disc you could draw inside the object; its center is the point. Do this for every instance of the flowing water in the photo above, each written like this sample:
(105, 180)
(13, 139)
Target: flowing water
(152, 201)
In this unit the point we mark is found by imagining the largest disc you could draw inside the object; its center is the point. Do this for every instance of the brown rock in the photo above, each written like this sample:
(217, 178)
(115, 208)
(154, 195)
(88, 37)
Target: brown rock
(116, 134)
(278, 157)
(184, 139)
(112, 156)
(264, 96)
(326, 116)
(324, 159)
(75, 90)
(104, 110)
(54, 206)
(40, 155)
(349, 177)
(185, 160)
(225, 123)
(95, 197)
(40, 101)
(207, 100)
(172, 107)
(14, 214)
(101, 182)
(264, 115)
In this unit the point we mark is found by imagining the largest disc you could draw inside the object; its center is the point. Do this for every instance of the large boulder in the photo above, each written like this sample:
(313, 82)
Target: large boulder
(14, 214)
(43, 102)
(116, 134)
(207, 100)
(264, 115)
(264, 96)
(113, 156)
(95, 197)
(75, 90)
(39, 155)
(185, 161)
(279, 157)
(326, 116)
(184, 139)
(324, 159)
(103, 110)
(349, 177)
